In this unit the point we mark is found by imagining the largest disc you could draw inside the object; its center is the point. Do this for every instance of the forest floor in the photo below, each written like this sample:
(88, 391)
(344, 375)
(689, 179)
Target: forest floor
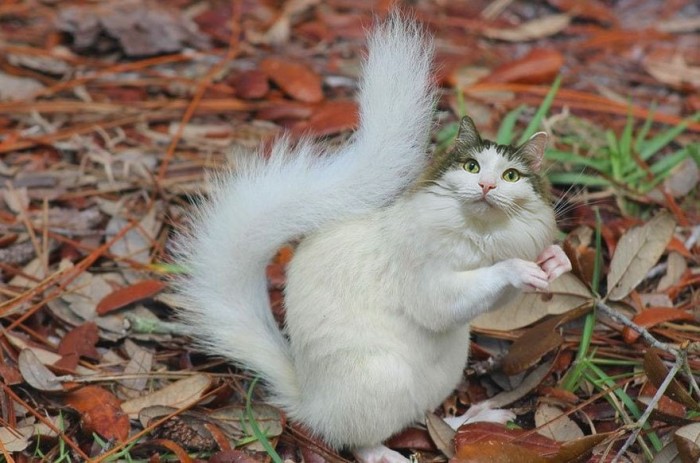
(112, 112)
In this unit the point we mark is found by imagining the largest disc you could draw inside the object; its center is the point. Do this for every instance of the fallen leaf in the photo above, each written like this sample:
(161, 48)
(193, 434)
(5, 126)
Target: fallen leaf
(441, 434)
(591, 9)
(493, 451)
(233, 421)
(140, 364)
(675, 72)
(233, 456)
(136, 243)
(295, 79)
(179, 394)
(100, 412)
(15, 439)
(539, 66)
(412, 438)
(682, 180)
(251, 84)
(139, 28)
(14, 88)
(553, 423)
(331, 118)
(530, 382)
(565, 293)
(81, 341)
(687, 440)
(654, 316)
(471, 436)
(657, 372)
(676, 266)
(128, 295)
(637, 251)
(531, 30)
(35, 373)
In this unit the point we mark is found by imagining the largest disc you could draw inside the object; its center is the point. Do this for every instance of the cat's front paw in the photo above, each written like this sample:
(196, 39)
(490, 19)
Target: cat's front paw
(524, 274)
(554, 262)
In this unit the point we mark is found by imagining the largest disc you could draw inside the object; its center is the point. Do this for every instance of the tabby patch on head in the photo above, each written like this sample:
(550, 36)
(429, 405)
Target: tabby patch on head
(489, 176)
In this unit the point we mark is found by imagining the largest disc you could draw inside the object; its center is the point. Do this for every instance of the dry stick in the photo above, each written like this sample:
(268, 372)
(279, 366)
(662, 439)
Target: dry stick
(680, 360)
(651, 340)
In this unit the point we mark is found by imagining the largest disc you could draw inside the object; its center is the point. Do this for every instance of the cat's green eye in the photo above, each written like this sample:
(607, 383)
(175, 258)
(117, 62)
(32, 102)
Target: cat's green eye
(472, 166)
(511, 175)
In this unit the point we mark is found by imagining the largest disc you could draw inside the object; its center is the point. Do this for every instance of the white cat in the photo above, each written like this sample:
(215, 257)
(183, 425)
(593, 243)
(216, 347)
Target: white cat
(397, 256)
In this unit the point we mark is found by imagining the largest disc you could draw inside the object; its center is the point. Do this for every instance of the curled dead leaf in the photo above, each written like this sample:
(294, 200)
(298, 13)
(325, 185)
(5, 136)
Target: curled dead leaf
(295, 79)
(637, 251)
(531, 30)
(35, 373)
(179, 394)
(100, 412)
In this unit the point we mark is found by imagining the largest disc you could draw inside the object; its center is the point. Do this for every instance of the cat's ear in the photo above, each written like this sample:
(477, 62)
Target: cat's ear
(533, 149)
(468, 135)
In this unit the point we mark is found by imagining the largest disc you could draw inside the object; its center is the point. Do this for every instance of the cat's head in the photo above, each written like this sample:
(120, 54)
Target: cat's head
(488, 178)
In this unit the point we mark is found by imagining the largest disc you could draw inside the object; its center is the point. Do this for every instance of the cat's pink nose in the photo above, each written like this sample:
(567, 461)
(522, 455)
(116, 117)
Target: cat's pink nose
(486, 186)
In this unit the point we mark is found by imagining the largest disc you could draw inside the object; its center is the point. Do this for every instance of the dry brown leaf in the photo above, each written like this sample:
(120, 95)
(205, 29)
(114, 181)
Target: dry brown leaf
(530, 382)
(565, 293)
(637, 251)
(81, 341)
(675, 268)
(14, 88)
(441, 434)
(179, 394)
(100, 412)
(140, 364)
(295, 79)
(553, 423)
(35, 373)
(531, 30)
(687, 440)
(676, 72)
(139, 28)
(16, 439)
(656, 372)
(128, 295)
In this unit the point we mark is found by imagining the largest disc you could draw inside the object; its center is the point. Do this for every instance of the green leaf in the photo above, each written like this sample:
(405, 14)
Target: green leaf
(653, 146)
(642, 134)
(573, 178)
(505, 131)
(536, 120)
(577, 159)
(262, 438)
(625, 145)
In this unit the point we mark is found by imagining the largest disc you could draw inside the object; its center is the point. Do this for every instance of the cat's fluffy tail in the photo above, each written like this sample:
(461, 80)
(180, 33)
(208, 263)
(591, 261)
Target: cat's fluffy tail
(261, 205)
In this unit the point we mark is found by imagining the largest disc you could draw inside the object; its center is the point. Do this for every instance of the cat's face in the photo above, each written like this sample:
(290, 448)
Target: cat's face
(490, 179)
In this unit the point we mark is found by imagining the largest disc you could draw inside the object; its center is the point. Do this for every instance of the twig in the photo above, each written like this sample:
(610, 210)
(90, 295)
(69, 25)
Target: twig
(680, 361)
(651, 340)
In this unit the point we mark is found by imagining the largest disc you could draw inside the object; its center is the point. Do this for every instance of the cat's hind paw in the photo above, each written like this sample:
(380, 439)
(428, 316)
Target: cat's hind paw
(483, 411)
(378, 454)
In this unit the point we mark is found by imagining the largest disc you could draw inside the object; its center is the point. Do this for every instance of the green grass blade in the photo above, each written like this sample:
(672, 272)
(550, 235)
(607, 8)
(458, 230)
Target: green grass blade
(577, 159)
(536, 120)
(644, 131)
(614, 155)
(573, 178)
(505, 131)
(262, 438)
(627, 163)
(654, 145)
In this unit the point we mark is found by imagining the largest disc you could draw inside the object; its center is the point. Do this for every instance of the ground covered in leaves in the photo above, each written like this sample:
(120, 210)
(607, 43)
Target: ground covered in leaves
(111, 112)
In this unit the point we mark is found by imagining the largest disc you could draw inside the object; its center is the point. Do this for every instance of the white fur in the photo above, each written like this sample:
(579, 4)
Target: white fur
(265, 203)
(382, 287)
